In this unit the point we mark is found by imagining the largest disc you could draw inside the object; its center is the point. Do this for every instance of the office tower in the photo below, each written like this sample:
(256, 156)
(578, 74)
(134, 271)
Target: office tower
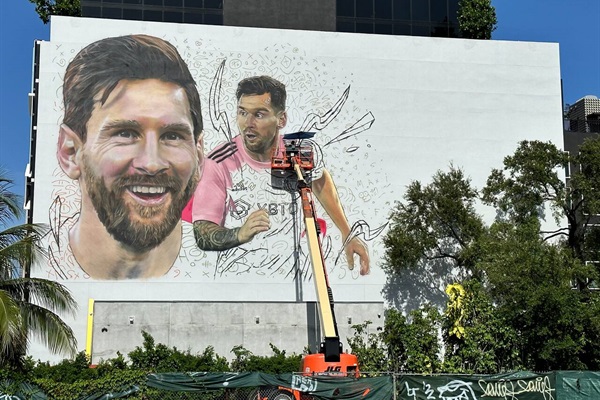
(389, 17)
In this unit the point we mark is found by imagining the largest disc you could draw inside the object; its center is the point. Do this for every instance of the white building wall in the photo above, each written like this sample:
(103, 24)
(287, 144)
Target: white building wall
(417, 105)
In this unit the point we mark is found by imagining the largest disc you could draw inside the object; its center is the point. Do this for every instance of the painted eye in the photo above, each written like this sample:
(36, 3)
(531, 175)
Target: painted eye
(125, 134)
(172, 136)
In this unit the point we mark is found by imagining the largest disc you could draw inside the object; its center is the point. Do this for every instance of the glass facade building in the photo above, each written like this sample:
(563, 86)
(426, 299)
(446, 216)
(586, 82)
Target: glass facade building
(208, 12)
(389, 17)
(398, 17)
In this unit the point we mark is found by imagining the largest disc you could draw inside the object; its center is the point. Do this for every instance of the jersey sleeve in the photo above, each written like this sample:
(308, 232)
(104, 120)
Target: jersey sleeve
(211, 194)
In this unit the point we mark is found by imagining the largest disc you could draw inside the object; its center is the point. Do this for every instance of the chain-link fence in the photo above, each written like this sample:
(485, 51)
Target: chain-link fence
(523, 385)
(261, 393)
(259, 386)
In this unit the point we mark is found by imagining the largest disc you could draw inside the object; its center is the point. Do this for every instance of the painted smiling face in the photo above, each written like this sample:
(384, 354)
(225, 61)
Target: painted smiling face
(140, 162)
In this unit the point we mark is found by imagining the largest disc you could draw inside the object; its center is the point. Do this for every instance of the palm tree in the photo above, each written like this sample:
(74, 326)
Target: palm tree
(29, 307)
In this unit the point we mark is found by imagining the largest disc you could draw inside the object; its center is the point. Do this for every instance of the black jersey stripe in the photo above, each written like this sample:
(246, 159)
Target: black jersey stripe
(223, 152)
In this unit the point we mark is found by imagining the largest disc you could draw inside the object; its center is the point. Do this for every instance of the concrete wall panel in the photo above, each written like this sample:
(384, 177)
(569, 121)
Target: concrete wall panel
(222, 325)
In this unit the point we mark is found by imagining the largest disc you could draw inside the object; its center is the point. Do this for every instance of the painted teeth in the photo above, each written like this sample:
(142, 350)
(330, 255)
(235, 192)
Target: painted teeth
(148, 189)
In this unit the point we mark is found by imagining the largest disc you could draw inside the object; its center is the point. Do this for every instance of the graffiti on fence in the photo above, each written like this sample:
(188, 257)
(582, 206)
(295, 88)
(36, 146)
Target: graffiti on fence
(303, 383)
(454, 390)
(510, 389)
(457, 390)
(539, 387)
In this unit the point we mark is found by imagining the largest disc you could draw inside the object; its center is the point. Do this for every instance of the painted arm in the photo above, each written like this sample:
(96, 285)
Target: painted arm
(325, 191)
(208, 210)
(213, 237)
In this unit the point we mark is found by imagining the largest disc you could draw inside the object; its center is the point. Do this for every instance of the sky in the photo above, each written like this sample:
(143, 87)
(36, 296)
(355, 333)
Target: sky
(572, 24)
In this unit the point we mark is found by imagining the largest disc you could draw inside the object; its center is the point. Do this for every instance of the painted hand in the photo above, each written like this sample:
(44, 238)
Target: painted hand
(358, 247)
(257, 222)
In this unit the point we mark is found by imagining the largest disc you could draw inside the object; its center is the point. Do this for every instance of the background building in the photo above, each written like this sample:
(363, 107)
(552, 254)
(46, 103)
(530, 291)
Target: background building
(388, 110)
(388, 17)
(582, 122)
(584, 115)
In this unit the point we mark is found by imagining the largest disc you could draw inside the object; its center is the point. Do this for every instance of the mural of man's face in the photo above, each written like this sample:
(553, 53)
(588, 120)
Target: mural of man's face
(140, 161)
(259, 124)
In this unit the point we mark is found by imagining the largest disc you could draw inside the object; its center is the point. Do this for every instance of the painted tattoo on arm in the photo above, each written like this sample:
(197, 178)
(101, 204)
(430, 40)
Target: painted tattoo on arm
(212, 237)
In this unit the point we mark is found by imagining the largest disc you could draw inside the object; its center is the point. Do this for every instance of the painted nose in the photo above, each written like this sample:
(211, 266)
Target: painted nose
(150, 159)
(250, 120)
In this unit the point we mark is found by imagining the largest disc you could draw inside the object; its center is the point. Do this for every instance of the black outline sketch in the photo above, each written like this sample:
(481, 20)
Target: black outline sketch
(355, 129)
(218, 118)
(316, 122)
(56, 224)
(362, 229)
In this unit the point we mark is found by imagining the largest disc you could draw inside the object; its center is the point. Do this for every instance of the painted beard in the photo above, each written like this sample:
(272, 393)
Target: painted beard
(116, 215)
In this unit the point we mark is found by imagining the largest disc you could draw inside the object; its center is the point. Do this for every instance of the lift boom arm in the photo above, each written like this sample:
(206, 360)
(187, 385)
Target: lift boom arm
(291, 170)
(323, 290)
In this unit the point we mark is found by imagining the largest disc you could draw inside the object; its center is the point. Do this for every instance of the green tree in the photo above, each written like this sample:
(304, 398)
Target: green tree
(529, 184)
(522, 277)
(28, 306)
(476, 19)
(435, 222)
(412, 342)
(477, 339)
(159, 357)
(46, 8)
(66, 371)
(530, 282)
(278, 363)
(583, 201)
(369, 349)
(406, 344)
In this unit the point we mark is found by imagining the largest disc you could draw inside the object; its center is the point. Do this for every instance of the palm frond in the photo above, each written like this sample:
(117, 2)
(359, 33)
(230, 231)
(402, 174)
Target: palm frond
(49, 328)
(11, 326)
(28, 306)
(20, 246)
(42, 292)
(9, 202)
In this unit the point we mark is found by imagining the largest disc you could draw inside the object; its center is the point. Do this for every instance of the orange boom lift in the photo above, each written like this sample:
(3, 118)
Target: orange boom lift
(291, 168)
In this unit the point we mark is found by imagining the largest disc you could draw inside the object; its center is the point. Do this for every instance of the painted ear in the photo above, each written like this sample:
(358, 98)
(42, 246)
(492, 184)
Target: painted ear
(69, 144)
(200, 144)
(200, 152)
(282, 120)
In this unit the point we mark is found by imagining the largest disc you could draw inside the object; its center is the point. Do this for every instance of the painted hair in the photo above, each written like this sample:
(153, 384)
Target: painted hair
(98, 68)
(257, 85)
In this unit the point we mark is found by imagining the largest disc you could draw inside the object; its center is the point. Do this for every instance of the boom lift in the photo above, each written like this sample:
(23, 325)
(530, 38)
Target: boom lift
(291, 169)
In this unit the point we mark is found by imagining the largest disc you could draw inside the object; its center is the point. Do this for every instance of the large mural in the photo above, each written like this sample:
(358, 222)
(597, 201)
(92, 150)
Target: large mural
(126, 162)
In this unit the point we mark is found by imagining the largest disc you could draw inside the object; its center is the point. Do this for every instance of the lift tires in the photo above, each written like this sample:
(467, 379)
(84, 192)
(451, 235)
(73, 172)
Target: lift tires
(282, 395)
(271, 393)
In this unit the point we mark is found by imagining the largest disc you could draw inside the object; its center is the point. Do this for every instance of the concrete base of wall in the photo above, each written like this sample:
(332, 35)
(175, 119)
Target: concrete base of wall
(196, 325)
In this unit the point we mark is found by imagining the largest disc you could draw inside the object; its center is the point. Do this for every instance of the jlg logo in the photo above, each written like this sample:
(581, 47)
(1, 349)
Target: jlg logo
(334, 369)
